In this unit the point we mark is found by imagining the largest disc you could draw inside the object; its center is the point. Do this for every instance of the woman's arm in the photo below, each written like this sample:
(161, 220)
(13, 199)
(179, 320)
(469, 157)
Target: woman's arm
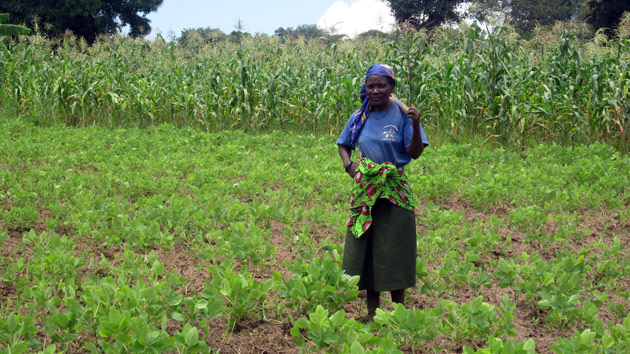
(345, 152)
(416, 147)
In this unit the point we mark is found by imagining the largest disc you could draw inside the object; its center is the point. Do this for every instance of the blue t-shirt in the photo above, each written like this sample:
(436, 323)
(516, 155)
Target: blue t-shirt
(385, 136)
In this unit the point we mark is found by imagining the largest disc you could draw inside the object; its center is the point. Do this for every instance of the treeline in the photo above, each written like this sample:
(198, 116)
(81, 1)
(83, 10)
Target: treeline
(88, 19)
(201, 36)
(563, 85)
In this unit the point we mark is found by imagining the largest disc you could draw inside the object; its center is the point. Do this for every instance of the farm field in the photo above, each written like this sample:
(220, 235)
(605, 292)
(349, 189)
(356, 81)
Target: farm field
(180, 241)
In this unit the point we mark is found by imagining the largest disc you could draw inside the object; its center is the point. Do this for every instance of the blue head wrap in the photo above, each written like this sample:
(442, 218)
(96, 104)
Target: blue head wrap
(359, 117)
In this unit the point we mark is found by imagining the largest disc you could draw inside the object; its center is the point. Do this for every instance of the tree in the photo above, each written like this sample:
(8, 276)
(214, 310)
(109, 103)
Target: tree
(281, 32)
(85, 18)
(605, 13)
(199, 36)
(11, 30)
(309, 31)
(373, 34)
(524, 15)
(306, 31)
(425, 13)
(237, 36)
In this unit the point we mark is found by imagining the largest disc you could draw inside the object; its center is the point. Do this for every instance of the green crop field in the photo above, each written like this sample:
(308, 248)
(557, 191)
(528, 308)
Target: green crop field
(467, 83)
(166, 199)
(176, 240)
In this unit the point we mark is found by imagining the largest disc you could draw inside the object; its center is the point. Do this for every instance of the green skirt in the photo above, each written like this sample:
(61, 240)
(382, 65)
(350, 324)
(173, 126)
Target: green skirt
(385, 256)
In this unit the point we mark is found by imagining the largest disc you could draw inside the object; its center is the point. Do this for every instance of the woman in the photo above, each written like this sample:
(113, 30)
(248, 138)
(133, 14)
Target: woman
(380, 242)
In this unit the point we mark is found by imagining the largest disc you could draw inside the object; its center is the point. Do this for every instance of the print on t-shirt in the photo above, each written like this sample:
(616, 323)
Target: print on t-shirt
(389, 132)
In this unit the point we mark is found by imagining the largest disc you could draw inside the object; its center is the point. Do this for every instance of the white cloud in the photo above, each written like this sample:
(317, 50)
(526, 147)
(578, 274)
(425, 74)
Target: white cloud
(358, 17)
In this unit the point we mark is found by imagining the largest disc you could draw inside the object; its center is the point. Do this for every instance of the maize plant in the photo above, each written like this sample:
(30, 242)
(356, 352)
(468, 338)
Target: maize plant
(467, 82)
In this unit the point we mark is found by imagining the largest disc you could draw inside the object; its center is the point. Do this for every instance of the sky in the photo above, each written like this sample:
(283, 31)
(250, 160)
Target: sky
(349, 17)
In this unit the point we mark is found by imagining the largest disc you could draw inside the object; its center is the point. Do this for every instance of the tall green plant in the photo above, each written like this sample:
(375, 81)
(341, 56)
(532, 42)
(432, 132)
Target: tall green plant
(465, 82)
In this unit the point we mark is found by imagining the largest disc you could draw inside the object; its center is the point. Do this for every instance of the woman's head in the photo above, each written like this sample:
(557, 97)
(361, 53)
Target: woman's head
(380, 84)
(382, 70)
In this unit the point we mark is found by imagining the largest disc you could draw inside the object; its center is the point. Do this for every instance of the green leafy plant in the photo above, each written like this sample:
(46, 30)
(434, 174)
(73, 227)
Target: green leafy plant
(336, 334)
(530, 218)
(562, 308)
(473, 320)
(410, 326)
(617, 340)
(126, 333)
(319, 282)
(244, 296)
(579, 343)
(187, 341)
(245, 244)
(498, 346)
(17, 332)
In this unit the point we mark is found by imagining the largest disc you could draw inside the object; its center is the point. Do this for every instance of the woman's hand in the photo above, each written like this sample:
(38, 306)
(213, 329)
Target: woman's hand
(350, 166)
(416, 147)
(414, 113)
(352, 170)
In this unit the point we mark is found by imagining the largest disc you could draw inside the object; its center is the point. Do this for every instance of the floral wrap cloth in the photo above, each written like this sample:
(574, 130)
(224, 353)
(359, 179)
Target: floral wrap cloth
(374, 181)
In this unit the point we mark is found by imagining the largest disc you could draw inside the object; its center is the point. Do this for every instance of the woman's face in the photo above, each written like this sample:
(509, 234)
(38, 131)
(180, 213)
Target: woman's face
(378, 90)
